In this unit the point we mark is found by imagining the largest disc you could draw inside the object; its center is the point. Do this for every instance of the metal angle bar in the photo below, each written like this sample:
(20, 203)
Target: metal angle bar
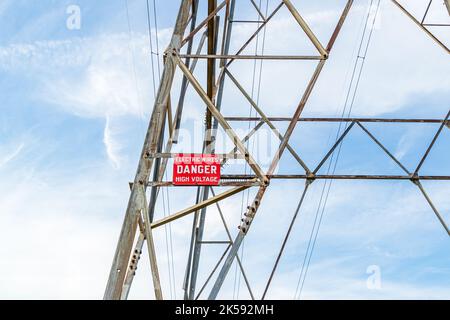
(226, 22)
(337, 143)
(296, 116)
(125, 243)
(198, 206)
(435, 210)
(228, 130)
(306, 28)
(310, 87)
(214, 242)
(339, 25)
(266, 120)
(158, 172)
(150, 246)
(383, 148)
(208, 147)
(286, 238)
(204, 22)
(162, 169)
(436, 25)
(184, 87)
(169, 116)
(131, 272)
(213, 271)
(231, 155)
(309, 119)
(246, 138)
(250, 57)
(246, 21)
(191, 250)
(174, 155)
(426, 12)
(260, 194)
(243, 180)
(261, 27)
(151, 210)
(421, 26)
(241, 266)
(226, 266)
(259, 11)
(262, 189)
(436, 136)
(226, 39)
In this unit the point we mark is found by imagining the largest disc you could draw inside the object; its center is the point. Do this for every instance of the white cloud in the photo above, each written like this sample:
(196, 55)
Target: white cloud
(99, 77)
(112, 146)
(90, 77)
(58, 239)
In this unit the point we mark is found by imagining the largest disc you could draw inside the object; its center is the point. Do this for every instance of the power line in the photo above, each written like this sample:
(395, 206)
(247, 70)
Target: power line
(256, 86)
(327, 185)
(165, 194)
(133, 61)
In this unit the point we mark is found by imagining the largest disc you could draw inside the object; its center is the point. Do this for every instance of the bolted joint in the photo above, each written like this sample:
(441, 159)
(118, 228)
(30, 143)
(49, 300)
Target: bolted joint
(415, 179)
(310, 181)
(243, 229)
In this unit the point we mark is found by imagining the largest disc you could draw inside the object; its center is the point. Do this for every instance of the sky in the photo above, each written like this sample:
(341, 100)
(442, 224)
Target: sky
(75, 104)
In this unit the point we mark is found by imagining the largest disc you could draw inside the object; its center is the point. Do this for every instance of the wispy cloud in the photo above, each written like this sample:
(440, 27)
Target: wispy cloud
(112, 146)
(6, 157)
(89, 77)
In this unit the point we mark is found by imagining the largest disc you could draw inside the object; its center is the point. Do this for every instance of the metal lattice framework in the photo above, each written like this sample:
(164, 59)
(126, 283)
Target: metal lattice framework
(426, 26)
(139, 223)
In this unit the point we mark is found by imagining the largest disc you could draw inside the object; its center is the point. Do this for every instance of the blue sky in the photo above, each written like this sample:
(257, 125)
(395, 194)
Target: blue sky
(75, 106)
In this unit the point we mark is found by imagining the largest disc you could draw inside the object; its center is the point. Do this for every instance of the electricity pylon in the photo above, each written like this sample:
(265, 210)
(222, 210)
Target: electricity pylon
(139, 223)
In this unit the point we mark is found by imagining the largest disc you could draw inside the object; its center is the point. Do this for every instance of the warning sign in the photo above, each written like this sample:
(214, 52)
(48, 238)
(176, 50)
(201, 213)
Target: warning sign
(197, 170)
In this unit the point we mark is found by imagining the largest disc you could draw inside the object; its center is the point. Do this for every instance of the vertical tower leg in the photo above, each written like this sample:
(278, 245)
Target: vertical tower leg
(127, 236)
(211, 127)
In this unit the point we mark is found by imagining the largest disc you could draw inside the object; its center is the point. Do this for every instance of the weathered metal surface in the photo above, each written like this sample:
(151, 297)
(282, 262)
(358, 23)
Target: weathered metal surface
(198, 206)
(306, 119)
(249, 57)
(128, 232)
(250, 214)
(225, 125)
(123, 269)
(421, 26)
(306, 28)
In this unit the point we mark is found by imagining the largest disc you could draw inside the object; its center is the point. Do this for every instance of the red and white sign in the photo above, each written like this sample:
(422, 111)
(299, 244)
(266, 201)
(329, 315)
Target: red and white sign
(196, 170)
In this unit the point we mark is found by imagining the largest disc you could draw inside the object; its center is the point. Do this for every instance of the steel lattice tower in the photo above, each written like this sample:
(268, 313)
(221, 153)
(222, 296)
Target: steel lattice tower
(140, 223)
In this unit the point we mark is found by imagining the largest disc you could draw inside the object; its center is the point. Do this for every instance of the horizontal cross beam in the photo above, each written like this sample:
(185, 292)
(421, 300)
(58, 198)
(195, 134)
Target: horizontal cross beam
(248, 57)
(380, 120)
(245, 180)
